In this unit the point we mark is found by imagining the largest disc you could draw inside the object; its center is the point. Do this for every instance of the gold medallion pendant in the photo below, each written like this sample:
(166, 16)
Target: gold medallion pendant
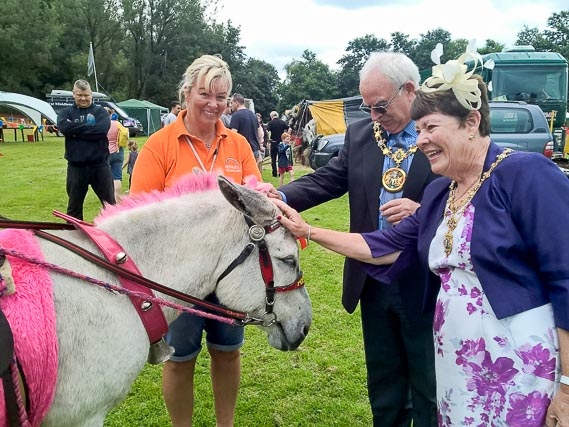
(393, 179)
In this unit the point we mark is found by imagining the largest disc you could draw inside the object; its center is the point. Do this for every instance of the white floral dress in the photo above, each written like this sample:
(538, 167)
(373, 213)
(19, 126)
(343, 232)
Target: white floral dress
(490, 372)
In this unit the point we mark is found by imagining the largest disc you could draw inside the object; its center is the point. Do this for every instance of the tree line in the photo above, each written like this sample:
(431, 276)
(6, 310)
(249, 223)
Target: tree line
(142, 48)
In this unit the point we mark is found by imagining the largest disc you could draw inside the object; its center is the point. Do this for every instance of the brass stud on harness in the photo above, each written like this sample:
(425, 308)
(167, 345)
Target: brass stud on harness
(121, 257)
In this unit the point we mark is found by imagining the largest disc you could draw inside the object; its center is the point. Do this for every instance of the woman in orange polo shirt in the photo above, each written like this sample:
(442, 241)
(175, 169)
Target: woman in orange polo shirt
(198, 139)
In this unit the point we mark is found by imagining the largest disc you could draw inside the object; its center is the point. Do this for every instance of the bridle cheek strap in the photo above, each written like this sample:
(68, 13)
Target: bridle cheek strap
(267, 274)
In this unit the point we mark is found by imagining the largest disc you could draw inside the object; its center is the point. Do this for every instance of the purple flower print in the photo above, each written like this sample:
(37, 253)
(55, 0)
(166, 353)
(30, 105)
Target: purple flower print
(440, 312)
(501, 341)
(438, 322)
(470, 308)
(489, 406)
(444, 274)
(443, 410)
(537, 361)
(490, 377)
(527, 410)
(475, 293)
(471, 350)
(467, 230)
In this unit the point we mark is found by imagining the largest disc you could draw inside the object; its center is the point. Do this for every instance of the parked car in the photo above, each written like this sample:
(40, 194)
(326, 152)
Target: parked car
(323, 148)
(520, 126)
(513, 124)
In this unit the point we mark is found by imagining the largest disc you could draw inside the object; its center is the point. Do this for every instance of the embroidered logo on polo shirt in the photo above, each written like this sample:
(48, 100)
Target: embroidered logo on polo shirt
(232, 165)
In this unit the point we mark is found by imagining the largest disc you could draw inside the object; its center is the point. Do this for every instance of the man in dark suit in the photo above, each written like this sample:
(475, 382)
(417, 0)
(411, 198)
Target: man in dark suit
(397, 333)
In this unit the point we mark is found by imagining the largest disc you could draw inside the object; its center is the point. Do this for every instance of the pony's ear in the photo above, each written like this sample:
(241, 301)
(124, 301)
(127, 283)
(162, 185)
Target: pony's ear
(251, 203)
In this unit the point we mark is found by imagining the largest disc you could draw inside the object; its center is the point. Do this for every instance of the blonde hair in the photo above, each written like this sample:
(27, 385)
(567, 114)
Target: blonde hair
(285, 135)
(209, 68)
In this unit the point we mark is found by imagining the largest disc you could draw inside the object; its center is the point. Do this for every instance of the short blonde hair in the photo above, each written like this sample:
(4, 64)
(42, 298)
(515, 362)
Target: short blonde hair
(209, 68)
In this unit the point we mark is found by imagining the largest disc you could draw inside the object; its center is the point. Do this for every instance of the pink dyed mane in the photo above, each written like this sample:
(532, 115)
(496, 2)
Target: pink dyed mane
(190, 183)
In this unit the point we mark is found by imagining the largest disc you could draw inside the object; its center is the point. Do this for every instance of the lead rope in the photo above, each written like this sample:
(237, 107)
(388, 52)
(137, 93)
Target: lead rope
(113, 288)
(22, 413)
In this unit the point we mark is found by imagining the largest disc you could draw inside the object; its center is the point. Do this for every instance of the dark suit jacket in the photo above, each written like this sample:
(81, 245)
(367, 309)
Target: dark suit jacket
(358, 170)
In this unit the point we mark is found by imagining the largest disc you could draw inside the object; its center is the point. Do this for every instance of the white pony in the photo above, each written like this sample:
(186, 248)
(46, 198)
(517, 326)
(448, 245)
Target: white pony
(184, 242)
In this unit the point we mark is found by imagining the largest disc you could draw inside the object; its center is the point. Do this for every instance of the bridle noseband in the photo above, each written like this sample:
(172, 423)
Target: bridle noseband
(257, 235)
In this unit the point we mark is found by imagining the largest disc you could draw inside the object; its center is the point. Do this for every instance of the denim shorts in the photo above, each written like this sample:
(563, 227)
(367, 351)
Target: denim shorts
(116, 160)
(185, 335)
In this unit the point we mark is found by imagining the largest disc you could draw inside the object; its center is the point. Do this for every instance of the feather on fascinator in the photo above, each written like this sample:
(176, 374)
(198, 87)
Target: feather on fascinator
(454, 75)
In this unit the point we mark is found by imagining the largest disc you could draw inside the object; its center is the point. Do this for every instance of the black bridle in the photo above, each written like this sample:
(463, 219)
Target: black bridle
(257, 235)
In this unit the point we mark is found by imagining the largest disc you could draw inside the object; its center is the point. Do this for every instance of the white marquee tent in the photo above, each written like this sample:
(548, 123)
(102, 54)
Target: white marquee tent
(32, 107)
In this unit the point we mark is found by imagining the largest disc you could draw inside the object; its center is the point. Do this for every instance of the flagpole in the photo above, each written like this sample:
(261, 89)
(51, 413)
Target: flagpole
(91, 68)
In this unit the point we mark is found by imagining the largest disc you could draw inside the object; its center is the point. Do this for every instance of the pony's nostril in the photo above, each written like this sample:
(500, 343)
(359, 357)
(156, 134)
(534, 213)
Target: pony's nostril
(305, 330)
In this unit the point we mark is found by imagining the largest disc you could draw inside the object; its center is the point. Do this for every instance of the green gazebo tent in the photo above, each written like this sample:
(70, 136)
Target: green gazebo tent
(146, 112)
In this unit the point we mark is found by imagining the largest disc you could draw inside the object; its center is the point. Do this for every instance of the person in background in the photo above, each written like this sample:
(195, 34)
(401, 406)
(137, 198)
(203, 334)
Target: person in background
(397, 333)
(131, 160)
(198, 139)
(85, 126)
(175, 108)
(285, 158)
(275, 127)
(262, 136)
(501, 327)
(116, 133)
(245, 122)
(226, 116)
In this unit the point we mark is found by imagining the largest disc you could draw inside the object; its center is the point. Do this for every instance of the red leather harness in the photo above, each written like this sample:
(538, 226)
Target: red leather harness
(151, 315)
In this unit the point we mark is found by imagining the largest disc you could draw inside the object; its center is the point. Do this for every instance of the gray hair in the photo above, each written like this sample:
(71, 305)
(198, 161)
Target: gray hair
(82, 85)
(396, 66)
(274, 114)
(207, 67)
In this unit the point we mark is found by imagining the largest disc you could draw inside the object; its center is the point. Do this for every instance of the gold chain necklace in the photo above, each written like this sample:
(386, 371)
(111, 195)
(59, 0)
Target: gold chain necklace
(454, 210)
(393, 179)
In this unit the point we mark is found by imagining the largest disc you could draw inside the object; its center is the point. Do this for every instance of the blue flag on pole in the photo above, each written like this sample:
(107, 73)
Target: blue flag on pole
(91, 61)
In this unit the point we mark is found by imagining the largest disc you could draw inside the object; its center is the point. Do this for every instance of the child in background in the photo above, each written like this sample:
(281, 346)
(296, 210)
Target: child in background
(285, 158)
(131, 159)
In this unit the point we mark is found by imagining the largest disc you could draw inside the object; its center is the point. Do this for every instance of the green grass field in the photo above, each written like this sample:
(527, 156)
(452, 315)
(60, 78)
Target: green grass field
(320, 384)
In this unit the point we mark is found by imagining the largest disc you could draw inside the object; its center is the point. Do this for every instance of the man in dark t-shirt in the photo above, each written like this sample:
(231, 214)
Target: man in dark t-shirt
(245, 122)
(275, 127)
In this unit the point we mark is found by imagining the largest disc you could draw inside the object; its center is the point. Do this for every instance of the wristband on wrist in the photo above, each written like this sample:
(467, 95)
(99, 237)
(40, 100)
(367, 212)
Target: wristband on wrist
(564, 380)
(308, 241)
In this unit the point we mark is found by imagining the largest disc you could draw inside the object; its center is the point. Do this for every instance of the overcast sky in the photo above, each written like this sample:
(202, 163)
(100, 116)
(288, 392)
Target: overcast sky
(279, 31)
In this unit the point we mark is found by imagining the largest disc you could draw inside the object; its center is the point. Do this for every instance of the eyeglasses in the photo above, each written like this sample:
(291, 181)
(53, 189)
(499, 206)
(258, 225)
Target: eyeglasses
(380, 108)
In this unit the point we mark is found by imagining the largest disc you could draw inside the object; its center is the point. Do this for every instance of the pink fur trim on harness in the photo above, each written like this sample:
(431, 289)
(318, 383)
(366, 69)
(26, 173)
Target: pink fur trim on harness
(31, 314)
(190, 183)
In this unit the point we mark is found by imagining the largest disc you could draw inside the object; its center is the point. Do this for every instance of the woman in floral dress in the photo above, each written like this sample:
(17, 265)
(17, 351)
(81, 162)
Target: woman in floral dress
(486, 229)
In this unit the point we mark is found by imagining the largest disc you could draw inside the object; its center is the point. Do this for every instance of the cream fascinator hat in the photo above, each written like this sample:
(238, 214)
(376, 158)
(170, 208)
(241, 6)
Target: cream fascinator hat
(454, 75)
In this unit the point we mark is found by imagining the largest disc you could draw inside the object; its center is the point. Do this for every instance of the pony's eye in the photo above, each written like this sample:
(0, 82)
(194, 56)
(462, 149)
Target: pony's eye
(290, 260)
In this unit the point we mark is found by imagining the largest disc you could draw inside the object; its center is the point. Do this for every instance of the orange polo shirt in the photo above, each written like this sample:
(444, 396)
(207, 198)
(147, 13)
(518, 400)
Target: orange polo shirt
(167, 156)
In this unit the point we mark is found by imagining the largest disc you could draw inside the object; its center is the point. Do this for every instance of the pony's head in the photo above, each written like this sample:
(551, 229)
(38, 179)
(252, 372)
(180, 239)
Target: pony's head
(292, 306)
(208, 235)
